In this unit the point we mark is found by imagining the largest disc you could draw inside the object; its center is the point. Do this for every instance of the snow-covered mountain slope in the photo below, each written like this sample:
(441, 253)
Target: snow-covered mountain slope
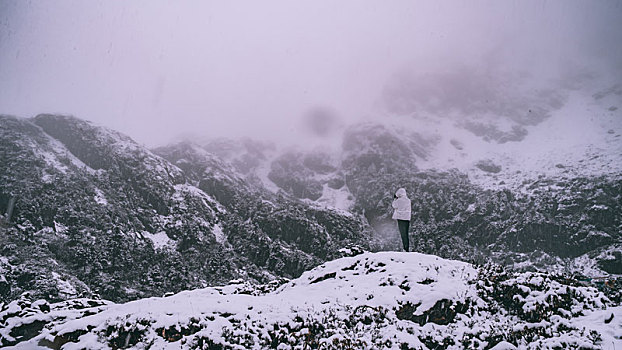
(501, 138)
(521, 122)
(581, 138)
(531, 176)
(97, 213)
(369, 301)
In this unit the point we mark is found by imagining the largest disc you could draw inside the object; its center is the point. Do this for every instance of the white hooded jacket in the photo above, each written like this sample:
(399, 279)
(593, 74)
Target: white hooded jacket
(401, 206)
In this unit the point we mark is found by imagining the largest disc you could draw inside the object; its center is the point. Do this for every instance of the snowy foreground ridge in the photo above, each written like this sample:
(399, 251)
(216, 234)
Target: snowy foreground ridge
(370, 301)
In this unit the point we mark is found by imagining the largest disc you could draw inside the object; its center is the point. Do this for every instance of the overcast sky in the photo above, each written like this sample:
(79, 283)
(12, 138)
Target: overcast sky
(156, 70)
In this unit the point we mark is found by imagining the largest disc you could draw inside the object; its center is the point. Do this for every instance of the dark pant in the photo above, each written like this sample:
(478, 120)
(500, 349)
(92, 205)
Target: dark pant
(403, 225)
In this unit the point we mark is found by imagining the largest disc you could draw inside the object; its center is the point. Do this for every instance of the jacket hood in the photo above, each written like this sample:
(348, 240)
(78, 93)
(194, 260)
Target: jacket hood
(401, 193)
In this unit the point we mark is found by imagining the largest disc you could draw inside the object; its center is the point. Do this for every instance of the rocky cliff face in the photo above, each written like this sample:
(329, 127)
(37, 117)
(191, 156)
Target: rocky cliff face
(96, 213)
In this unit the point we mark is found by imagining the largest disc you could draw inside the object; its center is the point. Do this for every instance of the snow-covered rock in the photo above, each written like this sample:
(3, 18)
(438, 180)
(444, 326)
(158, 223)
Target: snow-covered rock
(370, 301)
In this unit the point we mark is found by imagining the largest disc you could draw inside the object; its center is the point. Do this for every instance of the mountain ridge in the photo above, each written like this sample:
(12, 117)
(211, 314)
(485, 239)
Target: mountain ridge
(124, 223)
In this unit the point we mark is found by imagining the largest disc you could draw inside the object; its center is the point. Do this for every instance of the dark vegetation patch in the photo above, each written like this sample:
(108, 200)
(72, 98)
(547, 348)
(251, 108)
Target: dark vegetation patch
(488, 166)
(443, 312)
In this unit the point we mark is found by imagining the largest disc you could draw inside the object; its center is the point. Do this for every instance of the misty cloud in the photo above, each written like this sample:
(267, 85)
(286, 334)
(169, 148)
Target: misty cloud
(156, 69)
(321, 121)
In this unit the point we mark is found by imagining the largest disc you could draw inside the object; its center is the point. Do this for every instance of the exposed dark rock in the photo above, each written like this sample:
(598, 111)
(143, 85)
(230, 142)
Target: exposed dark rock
(614, 89)
(457, 144)
(443, 312)
(488, 166)
(24, 332)
(323, 278)
(612, 264)
(291, 173)
(490, 132)
(336, 183)
(318, 162)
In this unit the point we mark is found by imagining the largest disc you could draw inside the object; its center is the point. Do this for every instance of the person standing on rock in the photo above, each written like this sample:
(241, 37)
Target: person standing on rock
(401, 213)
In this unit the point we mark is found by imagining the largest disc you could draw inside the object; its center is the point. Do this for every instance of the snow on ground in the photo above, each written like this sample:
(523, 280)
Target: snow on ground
(340, 199)
(31, 313)
(59, 228)
(575, 141)
(159, 239)
(56, 150)
(220, 236)
(321, 290)
(504, 346)
(60, 149)
(611, 332)
(582, 138)
(65, 288)
(587, 264)
(99, 197)
(182, 190)
(394, 271)
(5, 267)
(262, 172)
(370, 301)
(52, 161)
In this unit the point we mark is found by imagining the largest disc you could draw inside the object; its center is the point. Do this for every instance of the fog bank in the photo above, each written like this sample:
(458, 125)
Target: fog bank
(157, 70)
